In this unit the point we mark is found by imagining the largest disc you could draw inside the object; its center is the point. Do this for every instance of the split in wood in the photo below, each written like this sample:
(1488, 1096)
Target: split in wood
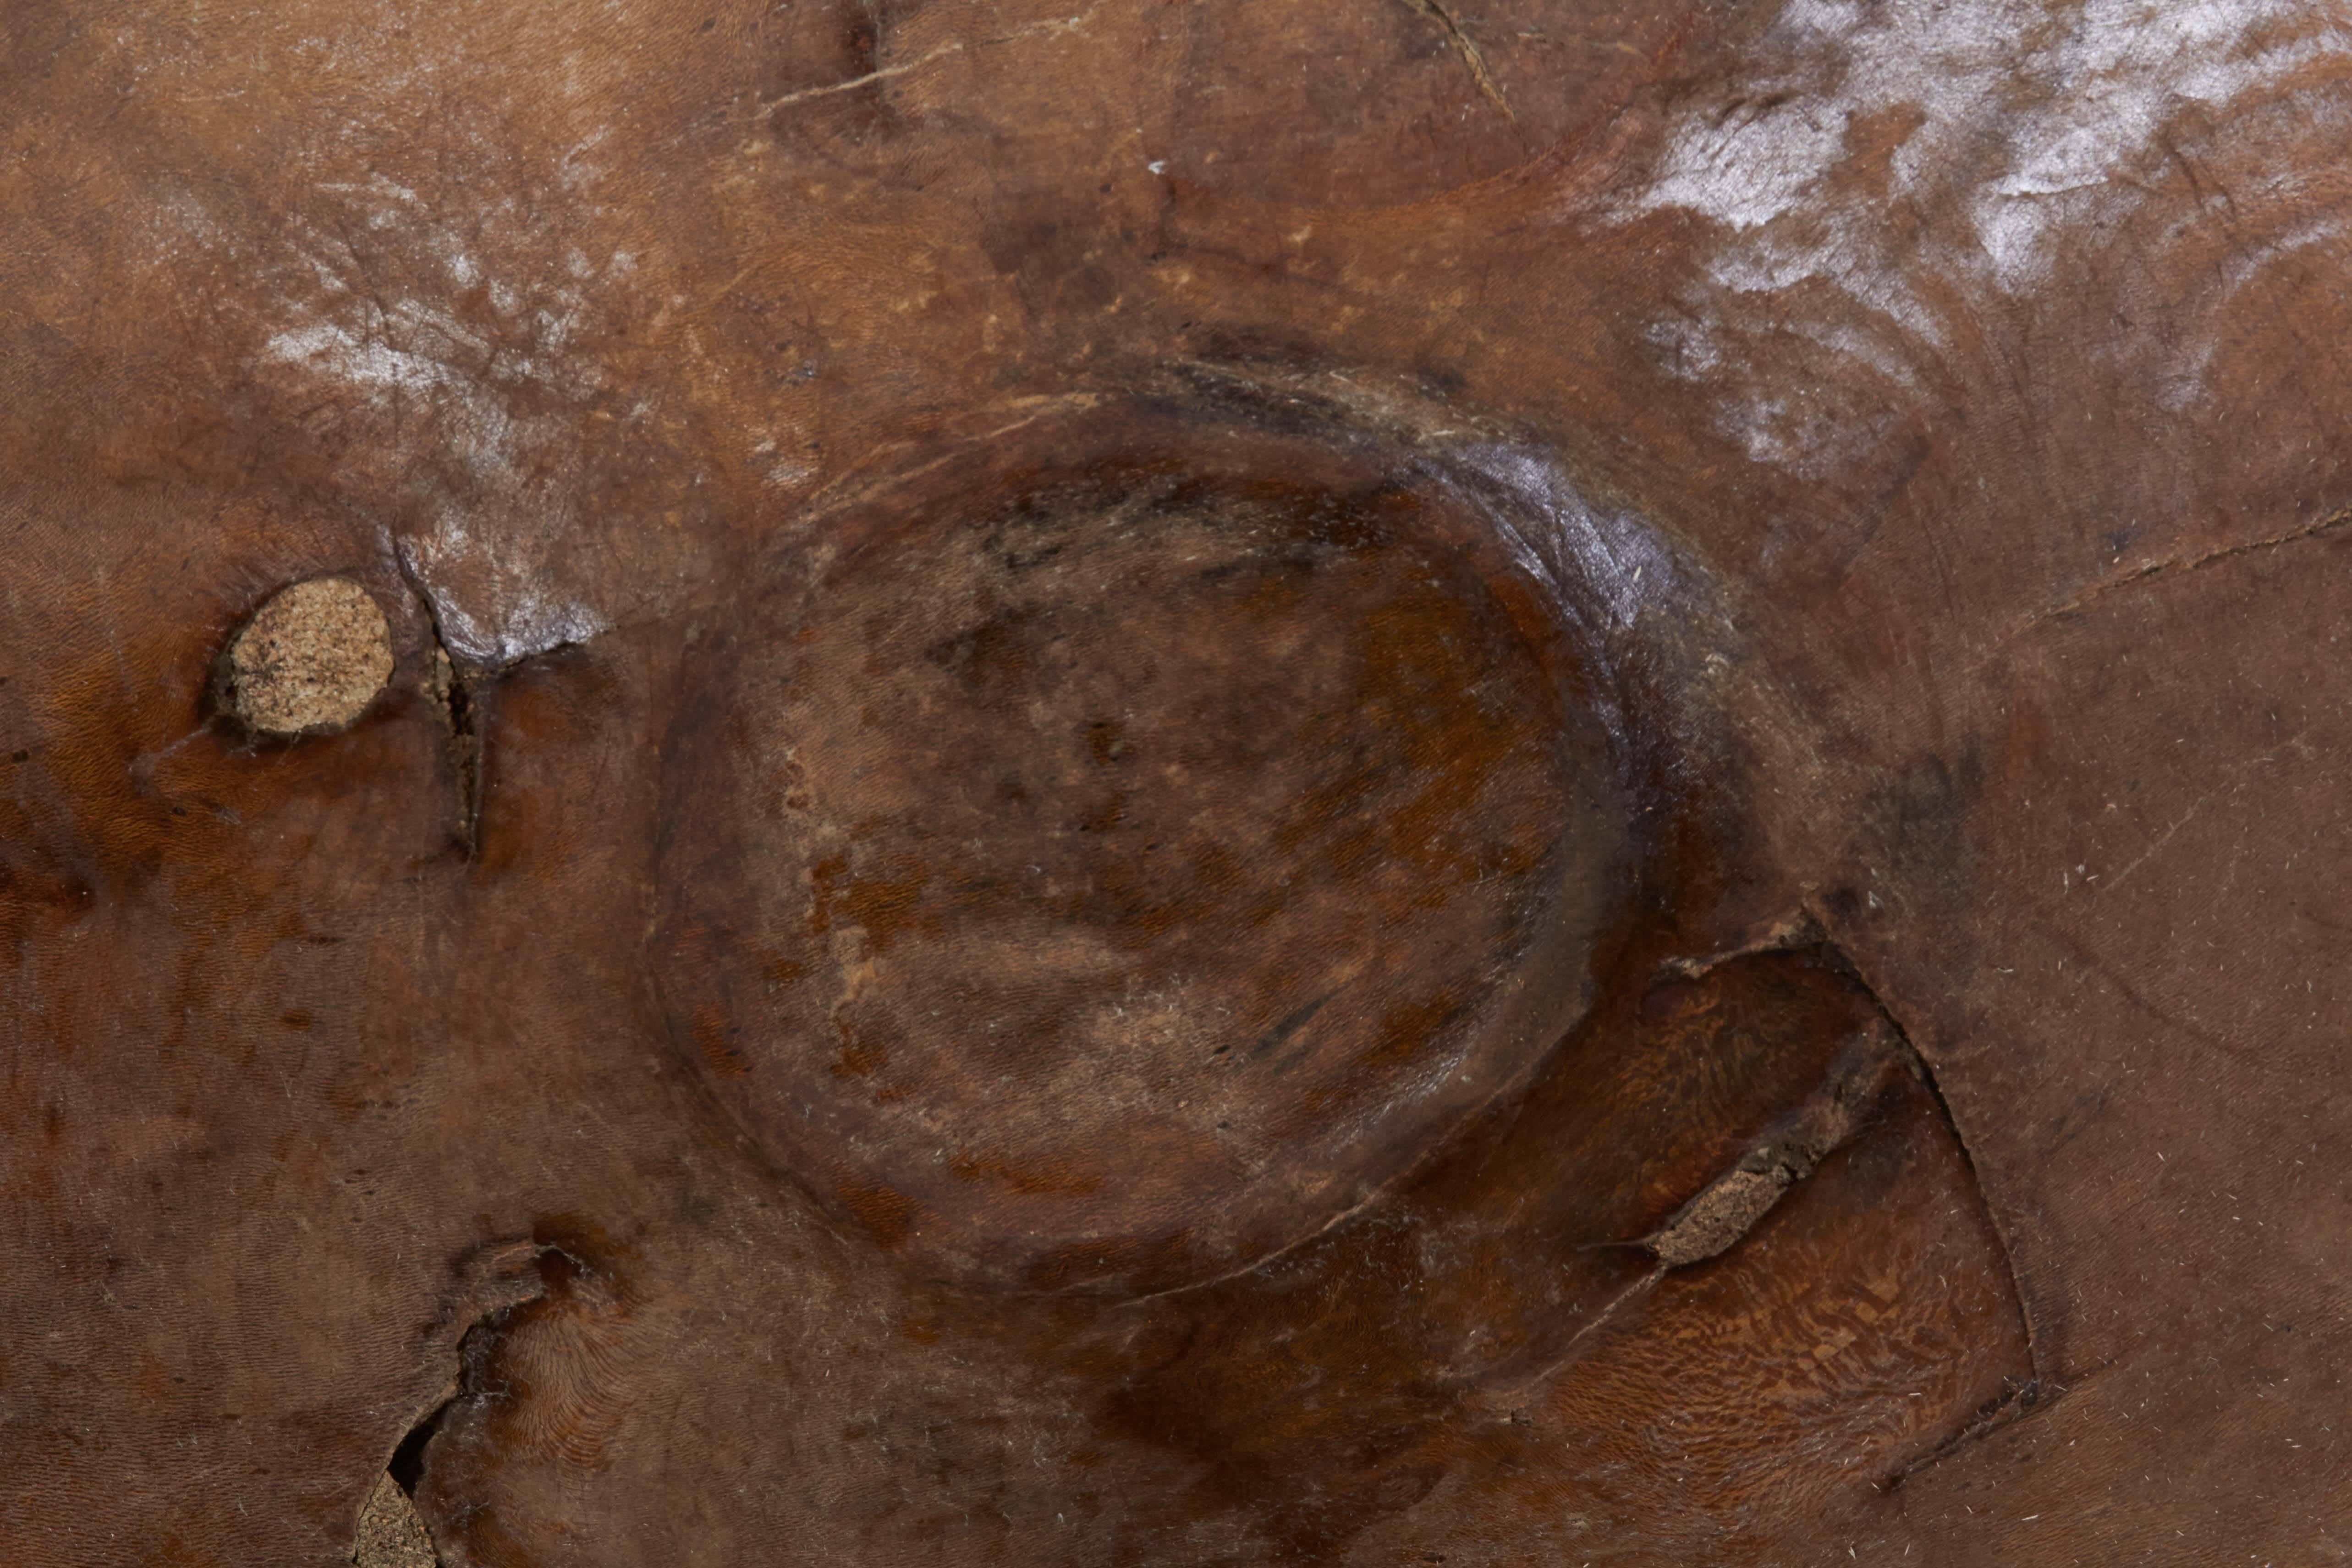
(1729, 1207)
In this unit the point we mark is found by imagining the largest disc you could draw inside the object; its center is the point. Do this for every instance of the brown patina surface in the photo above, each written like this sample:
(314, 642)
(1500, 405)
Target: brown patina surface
(1173, 784)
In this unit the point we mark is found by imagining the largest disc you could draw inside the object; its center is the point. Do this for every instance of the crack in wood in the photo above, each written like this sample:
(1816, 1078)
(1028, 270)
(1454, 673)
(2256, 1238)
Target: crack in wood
(452, 685)
(1776, 1161)
(2180, 566)
(1836, 953)
(1727, 1209)
(2038, 1389)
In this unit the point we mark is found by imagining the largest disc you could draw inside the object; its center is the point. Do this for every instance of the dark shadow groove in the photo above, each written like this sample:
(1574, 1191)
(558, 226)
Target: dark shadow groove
(1837, 957)
(407, 1466)
(2038, 1390)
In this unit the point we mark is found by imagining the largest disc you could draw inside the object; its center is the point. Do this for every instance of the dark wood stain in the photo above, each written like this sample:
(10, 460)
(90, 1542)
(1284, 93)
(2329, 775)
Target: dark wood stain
(1164, 718)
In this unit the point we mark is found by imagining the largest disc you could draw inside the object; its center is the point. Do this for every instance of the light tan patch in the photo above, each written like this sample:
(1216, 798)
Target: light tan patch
(391, 1535)
(1719, 1216)
(314, 657)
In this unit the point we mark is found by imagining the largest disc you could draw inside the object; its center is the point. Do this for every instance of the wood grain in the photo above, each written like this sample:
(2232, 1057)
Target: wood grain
(1178, 785)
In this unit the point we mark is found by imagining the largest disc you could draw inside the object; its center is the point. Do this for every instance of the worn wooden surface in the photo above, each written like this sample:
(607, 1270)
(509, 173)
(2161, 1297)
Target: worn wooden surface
(1176, 784)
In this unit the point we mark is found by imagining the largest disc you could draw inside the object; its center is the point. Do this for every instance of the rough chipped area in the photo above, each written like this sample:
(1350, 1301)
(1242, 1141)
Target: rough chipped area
(1719, 1216)
(390, 1535)
(1729, 1207)
(311, 659)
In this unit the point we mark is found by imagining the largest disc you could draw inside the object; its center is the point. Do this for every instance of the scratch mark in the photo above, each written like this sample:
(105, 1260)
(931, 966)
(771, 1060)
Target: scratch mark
(2159, 1010)
(1472, 58)
(1055, 27)
(1790, 932)
(2012, 1405)
(2180, 565)
(854, 83)
(1508, 1392)
(2292, 743)
(2163, 839)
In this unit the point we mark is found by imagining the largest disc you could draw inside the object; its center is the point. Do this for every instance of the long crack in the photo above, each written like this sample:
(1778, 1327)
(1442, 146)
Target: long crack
(453, 693)
(2181, 566)
(1837, 954)
(2036, 1392)
(491, 1281)
(451, 685)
